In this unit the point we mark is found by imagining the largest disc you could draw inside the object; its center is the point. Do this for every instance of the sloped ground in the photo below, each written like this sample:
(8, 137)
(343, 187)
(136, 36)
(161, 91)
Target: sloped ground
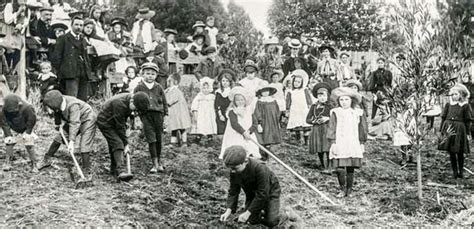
(192, 191)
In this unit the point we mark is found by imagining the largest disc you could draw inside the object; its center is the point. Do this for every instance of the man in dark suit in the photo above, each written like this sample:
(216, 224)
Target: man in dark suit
(72, 62)
(295, 61)
(40, 29)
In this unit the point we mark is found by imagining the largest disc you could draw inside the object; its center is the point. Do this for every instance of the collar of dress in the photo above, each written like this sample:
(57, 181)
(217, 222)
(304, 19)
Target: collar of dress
(267, 99)
(458, 103)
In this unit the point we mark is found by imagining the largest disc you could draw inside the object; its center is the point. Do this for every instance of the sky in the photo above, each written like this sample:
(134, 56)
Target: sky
(257, 10)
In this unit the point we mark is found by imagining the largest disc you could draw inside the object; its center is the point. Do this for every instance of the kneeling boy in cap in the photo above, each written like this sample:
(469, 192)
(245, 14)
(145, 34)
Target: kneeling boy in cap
(152, 119)
(260, 185)
(112, 122)
(19, 116)
(79, 126)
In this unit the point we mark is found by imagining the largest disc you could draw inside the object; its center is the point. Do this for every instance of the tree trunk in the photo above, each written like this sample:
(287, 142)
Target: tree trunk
(419, 174)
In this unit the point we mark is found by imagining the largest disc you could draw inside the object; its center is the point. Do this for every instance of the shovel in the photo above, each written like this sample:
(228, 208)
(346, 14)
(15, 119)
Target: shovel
(126, 176)
(83, 181)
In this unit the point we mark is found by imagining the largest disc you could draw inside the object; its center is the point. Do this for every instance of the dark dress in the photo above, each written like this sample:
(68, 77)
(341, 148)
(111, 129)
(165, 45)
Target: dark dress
(458, 117)
(267, 114)
(318, 141)
(470, 87)
(220, 105)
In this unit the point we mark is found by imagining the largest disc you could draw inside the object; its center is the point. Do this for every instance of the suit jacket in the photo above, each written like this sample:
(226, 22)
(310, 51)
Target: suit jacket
(114, 115)
(70, 58)
(41, 29)
(76, 113)
(290, 65)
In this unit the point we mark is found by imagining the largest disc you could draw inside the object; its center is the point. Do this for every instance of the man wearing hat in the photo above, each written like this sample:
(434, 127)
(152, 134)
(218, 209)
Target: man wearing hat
(71, 61)
(112, 122)
(79, 126)
(143, 30)
(41, 30)
(209, 66)
(199, 29)
(261, 187)
(295, 61)
(19, 116)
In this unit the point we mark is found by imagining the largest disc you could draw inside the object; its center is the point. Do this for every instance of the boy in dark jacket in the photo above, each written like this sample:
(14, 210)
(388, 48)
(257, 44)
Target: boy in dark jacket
(260, 185)
(19, 116)
(112, 122)
(152, 119)
(79, 126)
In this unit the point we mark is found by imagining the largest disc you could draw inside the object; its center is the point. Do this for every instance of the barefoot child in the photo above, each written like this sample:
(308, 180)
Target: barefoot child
(267, 116)
(19, 116)
(152, 119)
(261, 187)
(179, 119)
(298, 102)
(112, 122)
(240, 128)
(318, 116)
(202, 107)
(455, 127)
(346, 135)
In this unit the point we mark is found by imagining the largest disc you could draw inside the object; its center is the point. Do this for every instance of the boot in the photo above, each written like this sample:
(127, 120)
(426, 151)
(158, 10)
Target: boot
(184, 138)
(119, 168)
(302, 138)
(31, 153)
(461, 166)
(46, 162)
(454, 165)
(350, 181)
(327, 165)
(86, 163)
(341, 178)
(9, 150)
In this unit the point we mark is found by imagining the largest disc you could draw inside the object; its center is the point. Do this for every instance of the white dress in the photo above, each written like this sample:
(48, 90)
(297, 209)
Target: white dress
(347, 143)
(298, 110)
(232, 137)
(205, 117)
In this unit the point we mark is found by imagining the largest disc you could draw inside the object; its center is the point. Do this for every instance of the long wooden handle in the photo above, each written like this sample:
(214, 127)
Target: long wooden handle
(129, 167)
(79, 170)
(294, 172)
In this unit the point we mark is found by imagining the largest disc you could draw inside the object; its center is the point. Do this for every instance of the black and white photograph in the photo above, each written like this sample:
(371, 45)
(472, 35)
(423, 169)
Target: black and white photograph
(236, 113)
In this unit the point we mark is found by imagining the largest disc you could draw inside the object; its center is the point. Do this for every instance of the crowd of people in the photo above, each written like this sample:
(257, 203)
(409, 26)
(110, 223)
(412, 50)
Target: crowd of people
(302, 86)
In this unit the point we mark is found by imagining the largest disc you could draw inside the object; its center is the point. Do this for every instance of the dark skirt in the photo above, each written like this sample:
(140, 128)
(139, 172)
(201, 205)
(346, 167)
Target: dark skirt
(346, 162)
(457, 142)
(318, 141)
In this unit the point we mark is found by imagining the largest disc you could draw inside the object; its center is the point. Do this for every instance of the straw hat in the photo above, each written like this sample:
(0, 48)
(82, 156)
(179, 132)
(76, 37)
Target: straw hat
(353, 82)
(270, 41)
(199, 24)
(462, 90)
(263, 85)
(145, 13)
(295, 44)
(298, 72)
(345, 91)
(239, 90)
(207, 80)
(59, 25)
(170, 31)
(344, 53)
(228, 71)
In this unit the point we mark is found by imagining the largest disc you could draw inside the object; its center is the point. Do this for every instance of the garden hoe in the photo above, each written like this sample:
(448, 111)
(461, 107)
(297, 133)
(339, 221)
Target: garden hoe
(83, 181)
(333, 204)
(127, 176)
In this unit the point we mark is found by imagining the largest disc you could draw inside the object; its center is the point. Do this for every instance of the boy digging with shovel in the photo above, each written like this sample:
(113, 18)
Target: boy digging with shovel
(79, 127)
(112, 122)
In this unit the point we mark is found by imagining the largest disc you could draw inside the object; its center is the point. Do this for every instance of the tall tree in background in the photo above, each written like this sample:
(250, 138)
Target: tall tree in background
(248, 38)
(346, 25)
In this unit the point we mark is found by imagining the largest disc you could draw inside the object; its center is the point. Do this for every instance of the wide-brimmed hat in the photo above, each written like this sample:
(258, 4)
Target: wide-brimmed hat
(228, 71)
(353, 82)
(239, 90)
(77, 14)
(59, 25)
(295, 44)
(320, 87)
(199, 24)
(276, 72)
(250, 64)
(150, 65)
(270, 41)
(345, 91)
(462, 90)
(205, 80)
(344, 53)
(199, 35)
(145, 13)
(172, 31)
(298, 72)
(209, 50)
(119, 20)
(34, 5)
(326, 46)
(263, 86)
